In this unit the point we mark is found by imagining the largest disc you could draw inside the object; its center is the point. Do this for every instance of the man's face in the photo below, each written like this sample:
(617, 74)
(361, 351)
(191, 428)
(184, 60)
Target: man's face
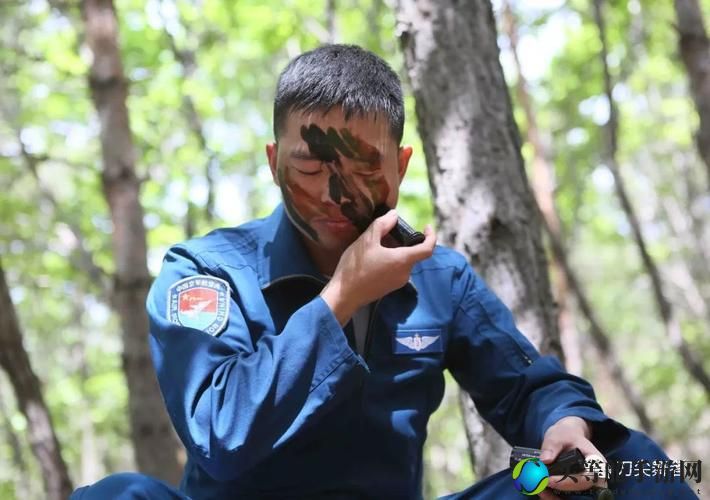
(333, 173)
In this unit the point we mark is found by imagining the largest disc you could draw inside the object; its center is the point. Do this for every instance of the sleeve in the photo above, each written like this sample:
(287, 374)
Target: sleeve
(518, 391)
(234, 401)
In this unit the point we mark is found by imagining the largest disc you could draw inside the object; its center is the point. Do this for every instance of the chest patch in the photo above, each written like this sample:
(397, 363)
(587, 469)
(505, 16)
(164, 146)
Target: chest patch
(417, 341)
(200, 302)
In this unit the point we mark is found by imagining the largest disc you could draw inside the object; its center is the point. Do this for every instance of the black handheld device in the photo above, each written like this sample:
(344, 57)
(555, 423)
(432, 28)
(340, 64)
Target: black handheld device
(568, 462)
(402, 233)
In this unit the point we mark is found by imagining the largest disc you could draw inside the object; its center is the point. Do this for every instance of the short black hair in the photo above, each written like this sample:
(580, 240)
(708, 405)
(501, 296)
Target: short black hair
(340, 75)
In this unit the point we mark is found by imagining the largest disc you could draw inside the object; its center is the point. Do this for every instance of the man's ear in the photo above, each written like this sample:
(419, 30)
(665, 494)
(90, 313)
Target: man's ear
(403, 156)
(272, 154)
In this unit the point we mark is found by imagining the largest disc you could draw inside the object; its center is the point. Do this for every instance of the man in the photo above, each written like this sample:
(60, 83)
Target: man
(300, 357)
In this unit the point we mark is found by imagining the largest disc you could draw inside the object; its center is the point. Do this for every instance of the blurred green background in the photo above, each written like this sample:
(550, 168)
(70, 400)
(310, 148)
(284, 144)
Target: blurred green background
(227, 60)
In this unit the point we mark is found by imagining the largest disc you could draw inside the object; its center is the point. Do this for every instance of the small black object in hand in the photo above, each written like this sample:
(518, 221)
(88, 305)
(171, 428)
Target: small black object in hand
(566, 463)
(402, 232)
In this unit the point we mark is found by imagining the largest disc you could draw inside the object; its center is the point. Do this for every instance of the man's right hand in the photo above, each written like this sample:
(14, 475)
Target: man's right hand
(367, 270)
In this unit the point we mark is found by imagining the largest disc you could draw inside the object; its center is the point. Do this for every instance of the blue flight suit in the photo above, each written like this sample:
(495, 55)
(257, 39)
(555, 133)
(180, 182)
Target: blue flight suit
(273, 400)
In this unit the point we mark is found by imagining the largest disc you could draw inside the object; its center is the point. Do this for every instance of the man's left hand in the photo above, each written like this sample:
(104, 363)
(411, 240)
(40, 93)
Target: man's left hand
(566, 434)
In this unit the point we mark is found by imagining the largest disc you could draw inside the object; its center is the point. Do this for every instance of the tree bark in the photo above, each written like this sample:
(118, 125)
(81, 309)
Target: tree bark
(692, 363)
(694, 48)
(543, 186)
(40, 431)
(483, 204)
(154, 441)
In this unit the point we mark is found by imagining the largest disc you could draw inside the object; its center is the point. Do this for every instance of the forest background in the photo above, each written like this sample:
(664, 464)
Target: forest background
(632, 264)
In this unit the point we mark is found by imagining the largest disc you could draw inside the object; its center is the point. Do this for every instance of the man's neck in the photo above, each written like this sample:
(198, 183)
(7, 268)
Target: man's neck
(324, 260)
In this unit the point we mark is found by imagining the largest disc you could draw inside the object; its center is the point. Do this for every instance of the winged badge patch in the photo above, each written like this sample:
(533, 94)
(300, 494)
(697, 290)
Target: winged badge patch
(417, 343)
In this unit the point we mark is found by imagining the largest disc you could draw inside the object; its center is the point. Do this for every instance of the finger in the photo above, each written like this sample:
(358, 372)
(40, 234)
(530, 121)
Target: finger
(424, 249)
(429, 237)
(596, 466)
(588, 449)
(550, 449)
(575, 482)
(595, 463)
(384, 224)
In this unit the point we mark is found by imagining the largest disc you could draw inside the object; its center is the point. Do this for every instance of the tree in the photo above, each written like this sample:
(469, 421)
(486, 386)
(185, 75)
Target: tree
(665, 309)
(567, 279)
(694, 48)
(543, 185)
(28, 392)
(483, 203)
(55, 230)
(155, 443)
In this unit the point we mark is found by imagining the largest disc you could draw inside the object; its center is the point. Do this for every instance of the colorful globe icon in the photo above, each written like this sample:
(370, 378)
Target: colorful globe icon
(530, 476)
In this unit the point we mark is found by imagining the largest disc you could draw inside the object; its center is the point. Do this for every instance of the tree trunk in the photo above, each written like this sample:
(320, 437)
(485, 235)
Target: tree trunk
(694, 48)
(691, 362)
(543, 186)
(15, 361)
(155, 444)
(483, 204)
(22, 485)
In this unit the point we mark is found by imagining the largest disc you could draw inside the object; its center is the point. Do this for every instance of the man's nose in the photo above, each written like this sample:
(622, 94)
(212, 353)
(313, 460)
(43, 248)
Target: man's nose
(336, 191)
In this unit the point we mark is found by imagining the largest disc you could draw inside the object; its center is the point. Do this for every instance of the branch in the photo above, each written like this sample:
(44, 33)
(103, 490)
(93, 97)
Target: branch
(85, 260)
(18, 460)
(664, 308)
(187, 60)
(40, 431)
(543, 186)
(694, 48)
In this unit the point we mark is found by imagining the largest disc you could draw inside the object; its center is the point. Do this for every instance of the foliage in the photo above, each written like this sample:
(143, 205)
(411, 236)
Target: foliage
(47, 123)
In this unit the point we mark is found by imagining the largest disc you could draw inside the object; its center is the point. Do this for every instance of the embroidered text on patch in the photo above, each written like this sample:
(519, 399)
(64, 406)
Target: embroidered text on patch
(200, 302)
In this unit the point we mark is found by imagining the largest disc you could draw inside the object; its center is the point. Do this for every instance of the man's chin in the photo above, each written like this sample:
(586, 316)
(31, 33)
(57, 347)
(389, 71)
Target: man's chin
(335, 245)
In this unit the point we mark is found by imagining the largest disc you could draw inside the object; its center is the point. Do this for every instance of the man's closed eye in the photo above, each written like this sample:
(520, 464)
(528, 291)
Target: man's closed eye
(309, 171)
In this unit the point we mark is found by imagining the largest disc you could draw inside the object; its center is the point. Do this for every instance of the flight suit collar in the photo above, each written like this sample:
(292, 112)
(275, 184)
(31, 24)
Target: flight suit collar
(283, 255)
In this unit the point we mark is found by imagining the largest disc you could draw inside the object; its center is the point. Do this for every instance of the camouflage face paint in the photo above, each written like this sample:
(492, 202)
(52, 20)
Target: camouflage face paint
(332, 176)
(294, 195)
(357, 183)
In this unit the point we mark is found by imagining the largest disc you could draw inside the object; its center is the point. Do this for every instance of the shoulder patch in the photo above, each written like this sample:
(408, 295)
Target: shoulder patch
(200, 302)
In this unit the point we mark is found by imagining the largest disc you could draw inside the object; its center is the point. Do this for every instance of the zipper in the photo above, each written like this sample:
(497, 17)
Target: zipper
(366, 352)
(368, 337)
